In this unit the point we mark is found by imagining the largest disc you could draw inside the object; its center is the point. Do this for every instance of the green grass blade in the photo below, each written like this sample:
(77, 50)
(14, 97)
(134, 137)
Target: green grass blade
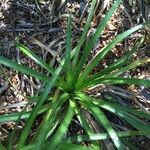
(131, 119)
(129, 144)
(68, 47)
(68, 146)
(96, 35)
(134, 121)
(23, 69)
(28, 147)
(99, 115)
(56, 139)
(131, 66)
(98, 136)
(68, 66)
(85, 31)
(104, 136)
(126, 109)
(122, 61)
(15, 116)
(83, 122)
(105, 50)
(87, 128)
(104, 104)
(128, 81)
(44, 96)
(115, 66)
(36, 58)
(2, 147)
(49, 120)
(12, 134)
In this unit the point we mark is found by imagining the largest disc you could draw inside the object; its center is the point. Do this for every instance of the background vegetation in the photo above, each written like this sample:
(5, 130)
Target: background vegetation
(77, 93)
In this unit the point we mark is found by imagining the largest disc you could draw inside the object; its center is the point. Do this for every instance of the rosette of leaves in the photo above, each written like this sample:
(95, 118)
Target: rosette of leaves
(64, 97)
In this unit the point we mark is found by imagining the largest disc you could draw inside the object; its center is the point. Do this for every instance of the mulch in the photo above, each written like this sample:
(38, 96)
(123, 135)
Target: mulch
(42, 27)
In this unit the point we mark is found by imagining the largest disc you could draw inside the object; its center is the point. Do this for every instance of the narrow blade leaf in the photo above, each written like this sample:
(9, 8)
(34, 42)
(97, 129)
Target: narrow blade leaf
(85, 31)
(99, 115)
(102, 54)
(23, 69)
(39, 104)
(128, 81)
(56, 139)
(36, 58)
(96, 35)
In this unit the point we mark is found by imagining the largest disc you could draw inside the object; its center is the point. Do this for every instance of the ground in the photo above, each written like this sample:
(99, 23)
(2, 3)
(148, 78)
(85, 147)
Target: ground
(41, 26)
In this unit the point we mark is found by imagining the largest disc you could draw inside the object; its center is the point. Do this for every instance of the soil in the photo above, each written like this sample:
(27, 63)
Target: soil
(41, 26)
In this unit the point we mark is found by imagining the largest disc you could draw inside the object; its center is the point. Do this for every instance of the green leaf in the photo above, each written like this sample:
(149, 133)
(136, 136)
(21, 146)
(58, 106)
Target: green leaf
(2, 147)
(128, 81)
(67, 84)
(36, 58)
(113, 106)
(39, 104)
(129, 144)
(49, 120)
(28, 147)
(23, 69)
(68, 47)
(85, 31)
(99, 115)
(104, 136)
(68, 146)
(56, 139)
(130, 110)
(82, 119)
(131, 66)
(115, 66)
(15, 116)
(133, 120)
(107, 75)
(106, 49)
(94, 38)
